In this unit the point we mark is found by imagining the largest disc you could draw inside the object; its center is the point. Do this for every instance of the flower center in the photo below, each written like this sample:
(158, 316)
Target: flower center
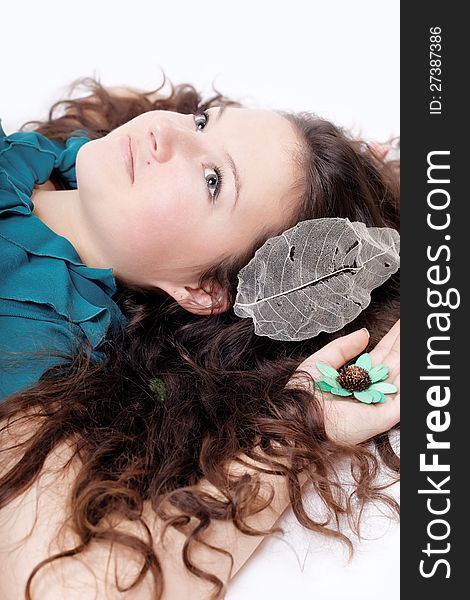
(354, 379)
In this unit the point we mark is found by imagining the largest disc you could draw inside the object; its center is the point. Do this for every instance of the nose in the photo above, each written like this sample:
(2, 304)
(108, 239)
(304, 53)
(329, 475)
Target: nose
(167, 137)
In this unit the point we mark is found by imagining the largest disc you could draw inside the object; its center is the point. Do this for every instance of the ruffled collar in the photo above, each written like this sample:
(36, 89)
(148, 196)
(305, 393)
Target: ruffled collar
(27, 159)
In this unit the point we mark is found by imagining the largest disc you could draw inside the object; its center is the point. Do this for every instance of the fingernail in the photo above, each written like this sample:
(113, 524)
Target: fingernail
(366, 330)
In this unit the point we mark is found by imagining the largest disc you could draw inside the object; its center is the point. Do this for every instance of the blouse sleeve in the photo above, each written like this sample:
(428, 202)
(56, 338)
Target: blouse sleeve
(29, 346)
(49, 300)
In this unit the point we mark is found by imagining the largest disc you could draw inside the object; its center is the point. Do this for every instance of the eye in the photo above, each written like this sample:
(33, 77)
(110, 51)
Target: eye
(214, 182)
(201, 121)
(214, 179)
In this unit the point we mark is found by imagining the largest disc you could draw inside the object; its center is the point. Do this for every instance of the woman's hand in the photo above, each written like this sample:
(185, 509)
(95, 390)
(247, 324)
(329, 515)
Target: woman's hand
(346, 419)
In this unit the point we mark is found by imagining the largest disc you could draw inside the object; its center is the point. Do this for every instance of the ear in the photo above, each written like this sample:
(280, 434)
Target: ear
(198, 301)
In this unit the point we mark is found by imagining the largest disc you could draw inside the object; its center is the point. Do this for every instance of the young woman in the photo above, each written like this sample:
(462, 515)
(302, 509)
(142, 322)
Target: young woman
(143, 391)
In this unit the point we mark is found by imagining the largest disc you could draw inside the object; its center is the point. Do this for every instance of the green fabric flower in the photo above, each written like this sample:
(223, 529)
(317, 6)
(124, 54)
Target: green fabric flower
(158, 388)
(361, 380)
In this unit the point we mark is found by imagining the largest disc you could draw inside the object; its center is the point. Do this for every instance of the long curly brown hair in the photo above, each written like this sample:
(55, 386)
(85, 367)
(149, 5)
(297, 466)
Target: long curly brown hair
(225, 393)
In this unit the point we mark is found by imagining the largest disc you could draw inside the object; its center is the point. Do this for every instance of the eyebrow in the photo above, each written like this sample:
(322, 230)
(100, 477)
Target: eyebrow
(229, 159)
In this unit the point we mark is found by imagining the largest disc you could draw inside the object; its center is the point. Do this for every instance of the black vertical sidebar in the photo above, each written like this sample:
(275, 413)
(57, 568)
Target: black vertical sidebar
(435, 384)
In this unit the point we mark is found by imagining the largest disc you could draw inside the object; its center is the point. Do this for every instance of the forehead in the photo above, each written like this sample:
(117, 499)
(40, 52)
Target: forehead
(265, 130)
(264, 145)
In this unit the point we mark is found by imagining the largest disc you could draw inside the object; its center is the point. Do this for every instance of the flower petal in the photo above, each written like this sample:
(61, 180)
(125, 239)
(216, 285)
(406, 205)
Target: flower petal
(327, 370)
(385, 388)
(340, 391)
(364, 361)
(376, 396)
(329, 381)
(322, 385)
(378, 373)
(364, 396)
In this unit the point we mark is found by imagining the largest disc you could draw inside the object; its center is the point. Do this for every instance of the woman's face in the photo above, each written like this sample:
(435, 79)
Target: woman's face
(201, 190)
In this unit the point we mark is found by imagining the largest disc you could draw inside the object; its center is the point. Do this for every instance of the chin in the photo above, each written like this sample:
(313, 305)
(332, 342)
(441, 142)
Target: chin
(90, 167)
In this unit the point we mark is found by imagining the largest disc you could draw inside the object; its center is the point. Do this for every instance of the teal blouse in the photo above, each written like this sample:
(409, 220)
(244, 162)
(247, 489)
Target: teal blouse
(49, 300)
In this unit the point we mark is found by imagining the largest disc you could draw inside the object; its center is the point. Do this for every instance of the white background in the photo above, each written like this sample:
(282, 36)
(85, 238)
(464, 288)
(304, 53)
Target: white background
(302, 565)
(339, 59)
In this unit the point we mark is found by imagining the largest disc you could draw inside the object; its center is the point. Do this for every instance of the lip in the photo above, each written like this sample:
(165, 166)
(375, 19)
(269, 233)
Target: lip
(126, 147)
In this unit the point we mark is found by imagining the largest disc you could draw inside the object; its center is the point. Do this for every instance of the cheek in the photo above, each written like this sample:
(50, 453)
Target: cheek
(171, 204)
(161, 224)
(160, 218)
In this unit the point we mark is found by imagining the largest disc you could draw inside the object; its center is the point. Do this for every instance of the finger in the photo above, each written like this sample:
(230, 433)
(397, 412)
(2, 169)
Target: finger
(393, 360)
(387, 345)
(338, 352)
(381, 149)
(388, 412)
